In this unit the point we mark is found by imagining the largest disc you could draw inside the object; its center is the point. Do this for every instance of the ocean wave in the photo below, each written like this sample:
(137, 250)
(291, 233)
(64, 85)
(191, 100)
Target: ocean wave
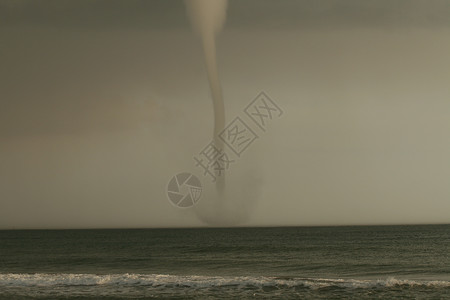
(175, 281)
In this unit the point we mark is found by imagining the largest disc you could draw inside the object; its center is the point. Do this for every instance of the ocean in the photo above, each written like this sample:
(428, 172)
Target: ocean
(354, 262)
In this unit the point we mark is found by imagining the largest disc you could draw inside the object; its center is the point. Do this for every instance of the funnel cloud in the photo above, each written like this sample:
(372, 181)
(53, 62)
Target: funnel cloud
(232, 206)
(207, 18)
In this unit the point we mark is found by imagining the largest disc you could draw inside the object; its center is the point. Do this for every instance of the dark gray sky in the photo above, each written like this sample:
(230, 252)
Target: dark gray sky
(257, 14)
(101, 102)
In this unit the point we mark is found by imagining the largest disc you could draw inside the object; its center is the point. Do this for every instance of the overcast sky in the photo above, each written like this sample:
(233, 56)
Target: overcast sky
(102, 102)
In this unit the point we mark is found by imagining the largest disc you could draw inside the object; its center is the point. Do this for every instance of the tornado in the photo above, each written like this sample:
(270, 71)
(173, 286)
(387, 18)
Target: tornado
(207, 18)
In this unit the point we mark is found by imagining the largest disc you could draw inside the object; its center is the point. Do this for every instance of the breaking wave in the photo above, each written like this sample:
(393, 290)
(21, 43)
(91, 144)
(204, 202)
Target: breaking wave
(159, 280)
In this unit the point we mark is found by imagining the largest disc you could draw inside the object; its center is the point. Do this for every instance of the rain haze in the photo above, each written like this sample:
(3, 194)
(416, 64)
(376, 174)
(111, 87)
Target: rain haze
(103, 102)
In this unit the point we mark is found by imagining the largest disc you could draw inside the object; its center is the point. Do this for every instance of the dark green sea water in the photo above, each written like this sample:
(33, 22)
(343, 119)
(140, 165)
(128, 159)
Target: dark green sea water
(358, 262)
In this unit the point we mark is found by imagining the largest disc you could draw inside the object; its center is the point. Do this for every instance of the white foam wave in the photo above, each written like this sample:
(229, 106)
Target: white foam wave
(159, 280)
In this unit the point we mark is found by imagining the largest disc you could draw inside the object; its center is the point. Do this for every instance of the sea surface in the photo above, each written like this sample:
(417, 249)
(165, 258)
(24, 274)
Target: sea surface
(356, 262)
